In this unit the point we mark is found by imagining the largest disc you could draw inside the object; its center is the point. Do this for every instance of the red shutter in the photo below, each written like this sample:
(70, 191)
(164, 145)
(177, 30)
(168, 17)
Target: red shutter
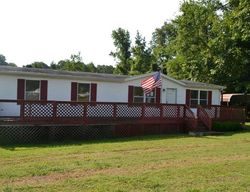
(209, 102)
(73, 91)
(130, 94)
(188, 96)
(20, 88)
(93, 92)
(44, 90)
(158, 95)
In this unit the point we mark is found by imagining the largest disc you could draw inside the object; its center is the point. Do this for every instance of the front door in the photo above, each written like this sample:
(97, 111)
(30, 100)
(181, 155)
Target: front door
(171, 96)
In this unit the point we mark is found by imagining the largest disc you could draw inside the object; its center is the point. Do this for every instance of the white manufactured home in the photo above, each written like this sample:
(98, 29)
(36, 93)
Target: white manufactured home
(38, 103)
(53, 85)
(45, 84)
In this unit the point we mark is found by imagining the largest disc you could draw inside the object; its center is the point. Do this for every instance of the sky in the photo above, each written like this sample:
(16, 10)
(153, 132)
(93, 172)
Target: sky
(52, 30)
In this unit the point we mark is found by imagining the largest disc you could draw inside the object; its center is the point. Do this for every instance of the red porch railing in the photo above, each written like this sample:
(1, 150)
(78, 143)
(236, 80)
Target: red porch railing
(222, 113)
(204, 118)
(190, 120)
(78, 113)
(63, 112)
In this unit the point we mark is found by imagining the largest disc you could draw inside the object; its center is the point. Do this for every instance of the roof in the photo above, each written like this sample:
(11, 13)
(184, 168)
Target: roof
(97, 76)
(62, 74)
(201, 85)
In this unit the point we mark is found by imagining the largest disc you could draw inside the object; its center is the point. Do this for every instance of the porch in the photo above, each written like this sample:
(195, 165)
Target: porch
(109, 113)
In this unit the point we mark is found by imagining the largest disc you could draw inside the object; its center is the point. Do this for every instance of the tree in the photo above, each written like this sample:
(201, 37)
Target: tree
(91, 68)
(3, 60)
(122, 55)
(37, 65)
(196, 45)
(236, 55)
(12, 64)
(141, 56)
(105, 69)
(162, 45)
(73, 64)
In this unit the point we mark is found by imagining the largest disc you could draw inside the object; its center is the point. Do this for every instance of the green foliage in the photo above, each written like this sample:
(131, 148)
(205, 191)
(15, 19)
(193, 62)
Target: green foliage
(75, 63)
(141, 56)
(122, 55)
(236, 50)
(105, 69)
(227, 126)
(12, 64)
(37, 65)
(3, 60)
(209, 42)
(195, 43)
(162, 44)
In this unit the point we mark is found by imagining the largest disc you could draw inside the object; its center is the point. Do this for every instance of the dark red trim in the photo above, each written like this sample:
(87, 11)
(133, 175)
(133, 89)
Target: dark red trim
(188, 96)
(130, 93)
(209, 102)
(93, 92)
(158, 95)
(73, 91)
(20, 88)
(44, 90)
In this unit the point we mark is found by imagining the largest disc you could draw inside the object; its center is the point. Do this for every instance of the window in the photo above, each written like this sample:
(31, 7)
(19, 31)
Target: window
(83, 92)
(150, 97)
(194, 97)
(32, 90)
(203, 98)
(199, 98)
(140, 97)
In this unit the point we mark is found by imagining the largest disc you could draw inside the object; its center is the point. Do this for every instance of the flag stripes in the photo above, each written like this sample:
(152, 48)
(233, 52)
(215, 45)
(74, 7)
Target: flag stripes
(152, 82)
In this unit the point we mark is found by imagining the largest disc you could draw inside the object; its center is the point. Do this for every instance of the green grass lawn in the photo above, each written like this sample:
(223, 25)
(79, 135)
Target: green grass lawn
(155, 163)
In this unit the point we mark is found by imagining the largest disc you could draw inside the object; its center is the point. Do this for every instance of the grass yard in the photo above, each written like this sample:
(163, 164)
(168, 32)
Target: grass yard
(155, 163)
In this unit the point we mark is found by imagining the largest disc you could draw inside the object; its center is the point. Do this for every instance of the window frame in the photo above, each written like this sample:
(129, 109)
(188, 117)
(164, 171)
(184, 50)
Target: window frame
(134, 96)
(198, 98)
(150, 97)
(77, 93)
(25, 86)
(144, 96)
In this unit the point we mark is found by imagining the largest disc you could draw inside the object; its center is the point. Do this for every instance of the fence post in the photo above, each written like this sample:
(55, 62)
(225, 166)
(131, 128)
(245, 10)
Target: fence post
(184, 113)
(161, 111)
(178, 112)
(85, 112)
(114, 111)
(143, 110)
(22, 110)
(54, 111)
(198, 112)
(216, 111)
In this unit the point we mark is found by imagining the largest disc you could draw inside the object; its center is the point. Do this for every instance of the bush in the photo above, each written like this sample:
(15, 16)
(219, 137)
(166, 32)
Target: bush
(227, 126)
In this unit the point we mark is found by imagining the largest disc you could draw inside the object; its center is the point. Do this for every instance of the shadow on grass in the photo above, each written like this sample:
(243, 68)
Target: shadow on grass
(72, 142)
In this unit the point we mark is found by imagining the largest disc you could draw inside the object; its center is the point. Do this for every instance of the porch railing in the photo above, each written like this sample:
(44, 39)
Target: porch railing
(204, 118)
(97, 112)
(66, 112)
(190, 119)
(222, 113)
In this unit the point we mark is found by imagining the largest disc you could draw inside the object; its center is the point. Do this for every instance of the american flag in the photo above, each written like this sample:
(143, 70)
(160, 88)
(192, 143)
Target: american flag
(152, 82)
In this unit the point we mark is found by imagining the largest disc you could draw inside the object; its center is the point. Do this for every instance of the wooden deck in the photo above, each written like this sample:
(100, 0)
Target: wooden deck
(95, 113)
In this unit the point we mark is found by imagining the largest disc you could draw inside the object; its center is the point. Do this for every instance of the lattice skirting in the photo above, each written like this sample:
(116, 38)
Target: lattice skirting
(19, 134)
